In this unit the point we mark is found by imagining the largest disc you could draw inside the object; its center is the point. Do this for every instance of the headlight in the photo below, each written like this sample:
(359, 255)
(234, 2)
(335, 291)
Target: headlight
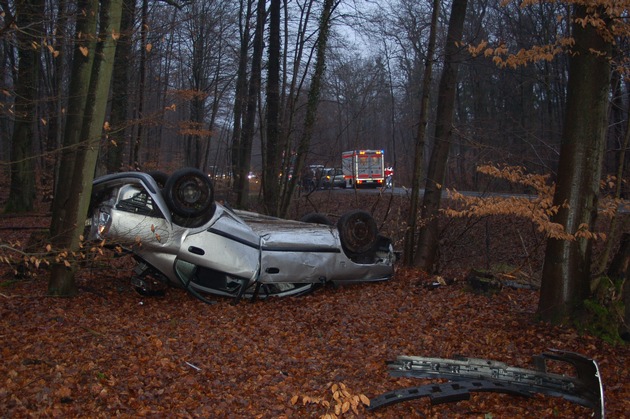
(103, 224)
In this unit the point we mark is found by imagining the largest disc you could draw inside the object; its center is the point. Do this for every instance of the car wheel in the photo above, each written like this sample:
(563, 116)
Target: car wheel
(358, 232)
(160, 177)
(316, 218)
(190, 195)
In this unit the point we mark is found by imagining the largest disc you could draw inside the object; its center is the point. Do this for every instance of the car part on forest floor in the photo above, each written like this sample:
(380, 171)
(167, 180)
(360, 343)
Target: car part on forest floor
(480, 375)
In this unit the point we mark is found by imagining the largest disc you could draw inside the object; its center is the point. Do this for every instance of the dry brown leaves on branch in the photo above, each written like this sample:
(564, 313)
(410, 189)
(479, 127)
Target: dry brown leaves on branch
(538, 207)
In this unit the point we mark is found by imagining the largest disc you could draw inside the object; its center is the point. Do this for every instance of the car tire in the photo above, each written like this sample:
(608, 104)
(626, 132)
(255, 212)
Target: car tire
(316, 218)
(358, 232)
(160, 178)
(190, 196)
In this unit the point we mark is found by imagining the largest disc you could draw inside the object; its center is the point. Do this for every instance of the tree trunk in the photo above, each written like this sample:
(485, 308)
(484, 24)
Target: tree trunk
(418, 156)
(241, 183)
(144, 29)
(567, 265)
(120, 90)
(270, 184)
(58, 71)
(74, 188)
(614, 223)
(79, 86)
(618, 271)
(313, 99)
(22, 186)
(293, 84)
(240, 97)
(428, 239)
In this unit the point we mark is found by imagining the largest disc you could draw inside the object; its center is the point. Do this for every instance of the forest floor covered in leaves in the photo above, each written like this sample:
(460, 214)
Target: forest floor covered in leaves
(111, 352)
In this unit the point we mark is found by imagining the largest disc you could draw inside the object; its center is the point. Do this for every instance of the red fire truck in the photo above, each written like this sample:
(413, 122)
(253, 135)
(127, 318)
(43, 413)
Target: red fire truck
(363, 168)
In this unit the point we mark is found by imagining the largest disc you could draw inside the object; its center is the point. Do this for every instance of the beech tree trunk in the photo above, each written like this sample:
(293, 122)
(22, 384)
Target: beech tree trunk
(22, 187)
(134, 157)
(312, 103)
(240, 96)
(242, 151)
(418, 157)
(91, 75)
(58, 92)
(270, 184)
(621, 168)
(619, 270)
(120, 89)
(428, 239)
(567, 264)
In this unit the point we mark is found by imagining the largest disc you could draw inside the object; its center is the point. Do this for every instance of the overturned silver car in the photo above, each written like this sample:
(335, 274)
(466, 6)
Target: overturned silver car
(180, 235)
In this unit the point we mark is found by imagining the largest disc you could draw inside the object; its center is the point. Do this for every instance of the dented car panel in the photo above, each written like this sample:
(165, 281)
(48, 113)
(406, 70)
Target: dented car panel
(224, 251)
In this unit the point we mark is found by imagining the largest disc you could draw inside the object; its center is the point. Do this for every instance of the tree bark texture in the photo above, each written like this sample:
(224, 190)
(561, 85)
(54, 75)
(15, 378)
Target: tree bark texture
(240, 96)
(58, 92)
(74, 188)
(567, 264)
(271, 186)
(616, 220)
(418, 156)
(134, 157)
(425, 257)
(120, 90)
(619, 270)
(22, 187)
(79, 86)
(312, 103)
(244, 149)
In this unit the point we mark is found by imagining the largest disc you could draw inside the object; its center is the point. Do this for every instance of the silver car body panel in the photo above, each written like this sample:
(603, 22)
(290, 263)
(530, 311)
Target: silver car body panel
(129, 209)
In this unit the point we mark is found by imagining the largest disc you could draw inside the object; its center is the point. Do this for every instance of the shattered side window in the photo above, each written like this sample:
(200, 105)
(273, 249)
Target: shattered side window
(136, 200)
